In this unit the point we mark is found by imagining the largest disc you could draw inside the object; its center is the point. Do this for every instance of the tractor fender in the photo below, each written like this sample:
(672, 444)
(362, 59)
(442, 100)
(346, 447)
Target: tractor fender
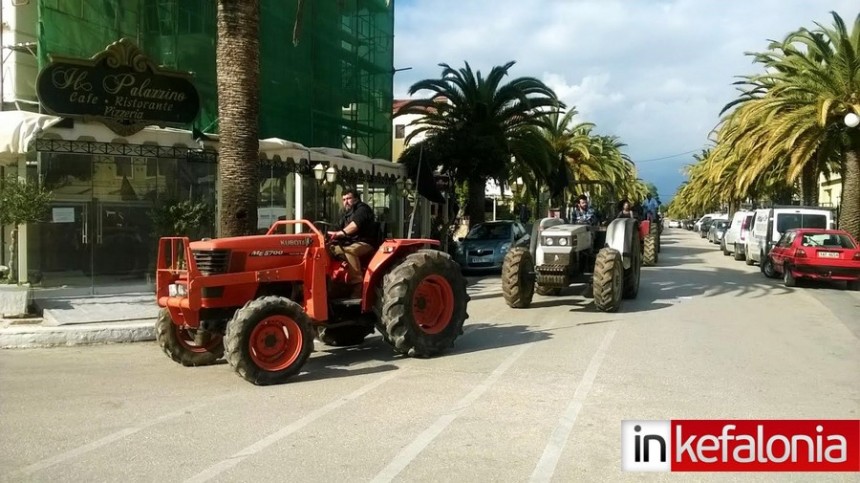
(619, 236)
(388, 254)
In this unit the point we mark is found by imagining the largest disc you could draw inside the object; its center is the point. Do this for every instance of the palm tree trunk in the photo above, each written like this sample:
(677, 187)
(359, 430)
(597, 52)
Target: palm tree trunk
(13, 255)
(238, 63)
(809, 184)
(476, 201)
(849, 213)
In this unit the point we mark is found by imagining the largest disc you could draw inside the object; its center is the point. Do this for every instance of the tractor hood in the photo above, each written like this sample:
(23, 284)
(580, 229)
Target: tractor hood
(256, 242)
(566, 230)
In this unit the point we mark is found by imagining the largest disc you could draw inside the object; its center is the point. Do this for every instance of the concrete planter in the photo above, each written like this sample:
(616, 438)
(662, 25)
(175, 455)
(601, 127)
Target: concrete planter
(14, 300)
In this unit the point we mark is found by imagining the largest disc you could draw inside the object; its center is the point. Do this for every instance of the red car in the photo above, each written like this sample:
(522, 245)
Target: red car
(817, 254)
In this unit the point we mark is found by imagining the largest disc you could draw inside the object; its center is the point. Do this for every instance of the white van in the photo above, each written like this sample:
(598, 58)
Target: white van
(770, 223)
(736, 234)
(697, 227)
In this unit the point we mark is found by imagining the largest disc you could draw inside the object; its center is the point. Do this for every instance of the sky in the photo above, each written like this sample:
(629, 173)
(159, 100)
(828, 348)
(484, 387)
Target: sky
(655, 73)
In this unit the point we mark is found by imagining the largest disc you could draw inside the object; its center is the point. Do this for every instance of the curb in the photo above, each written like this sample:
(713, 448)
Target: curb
(35, 336)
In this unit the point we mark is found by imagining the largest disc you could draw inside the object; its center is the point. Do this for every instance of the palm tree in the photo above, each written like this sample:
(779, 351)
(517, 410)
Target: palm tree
(238, 70)
(812, 81)
(480, 123)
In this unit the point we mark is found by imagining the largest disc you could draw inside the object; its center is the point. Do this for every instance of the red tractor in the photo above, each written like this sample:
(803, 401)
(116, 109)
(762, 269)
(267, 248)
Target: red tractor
(260, 300)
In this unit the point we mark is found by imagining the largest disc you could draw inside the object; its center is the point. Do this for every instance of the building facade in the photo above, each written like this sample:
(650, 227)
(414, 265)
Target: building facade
(326, 80)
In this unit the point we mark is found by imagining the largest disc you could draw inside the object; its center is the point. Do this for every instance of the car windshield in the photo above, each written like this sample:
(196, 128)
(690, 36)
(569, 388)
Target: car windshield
(827, 240)
(490, 231)
(721, 225)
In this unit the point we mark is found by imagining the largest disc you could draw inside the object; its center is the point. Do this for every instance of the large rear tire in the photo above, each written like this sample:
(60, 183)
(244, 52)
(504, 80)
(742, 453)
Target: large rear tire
(608, 283)
(632, 274)
(649, 255)
(181, 345)
(518, 285)
(269, 340)
(423, 304)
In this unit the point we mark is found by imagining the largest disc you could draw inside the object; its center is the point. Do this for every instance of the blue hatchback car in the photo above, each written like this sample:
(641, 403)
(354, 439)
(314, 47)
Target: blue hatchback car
(487, 244)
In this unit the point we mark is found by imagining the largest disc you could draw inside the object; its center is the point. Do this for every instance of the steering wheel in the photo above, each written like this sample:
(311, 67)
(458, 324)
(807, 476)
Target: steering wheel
(324, 227)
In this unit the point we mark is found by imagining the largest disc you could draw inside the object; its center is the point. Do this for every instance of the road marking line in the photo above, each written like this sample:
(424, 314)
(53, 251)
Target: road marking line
(287, 430)
(48, 462)
(558, 440)
(413, 449)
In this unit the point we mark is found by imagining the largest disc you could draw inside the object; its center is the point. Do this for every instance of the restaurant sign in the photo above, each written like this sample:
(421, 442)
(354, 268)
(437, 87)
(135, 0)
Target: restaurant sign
(120, 87)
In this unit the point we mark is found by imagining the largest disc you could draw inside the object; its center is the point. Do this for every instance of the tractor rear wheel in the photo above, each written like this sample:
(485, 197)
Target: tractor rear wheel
(551, 291)
(182, 345)
(269, 340)
(631, 275)
(608, 281)
(518, 285)
(343, 336)
(423, 304)
(649, 254)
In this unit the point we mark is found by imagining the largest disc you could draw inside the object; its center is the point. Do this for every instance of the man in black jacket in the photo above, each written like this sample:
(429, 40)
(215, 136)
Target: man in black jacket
(358, 232)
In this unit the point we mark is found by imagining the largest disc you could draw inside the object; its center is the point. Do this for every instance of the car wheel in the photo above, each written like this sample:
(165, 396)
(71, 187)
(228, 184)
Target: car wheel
(767, 267)
(738, 255)
(787, 278)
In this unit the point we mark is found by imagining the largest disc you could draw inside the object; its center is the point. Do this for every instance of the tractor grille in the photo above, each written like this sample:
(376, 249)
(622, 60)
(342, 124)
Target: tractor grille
(552, 280)
(212, 262)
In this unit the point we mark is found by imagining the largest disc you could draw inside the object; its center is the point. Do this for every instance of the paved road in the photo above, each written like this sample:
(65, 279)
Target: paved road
(528, 394)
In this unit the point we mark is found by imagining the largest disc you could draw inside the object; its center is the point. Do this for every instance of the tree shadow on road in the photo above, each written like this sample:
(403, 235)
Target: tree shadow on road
(332, 362)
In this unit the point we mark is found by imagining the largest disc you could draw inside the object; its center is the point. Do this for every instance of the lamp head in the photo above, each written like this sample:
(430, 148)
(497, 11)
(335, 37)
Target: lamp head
(852, 119)
(319, 172)
(331, 174)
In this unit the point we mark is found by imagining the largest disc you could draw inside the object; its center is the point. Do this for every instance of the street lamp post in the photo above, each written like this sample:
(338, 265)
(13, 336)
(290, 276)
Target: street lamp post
(325, 176)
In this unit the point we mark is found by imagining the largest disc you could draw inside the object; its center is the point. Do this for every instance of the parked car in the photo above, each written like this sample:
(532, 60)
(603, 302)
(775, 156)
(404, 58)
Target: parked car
(769, 224)
(736, 234)
(717, 230)
(815, 254)
(486, 244)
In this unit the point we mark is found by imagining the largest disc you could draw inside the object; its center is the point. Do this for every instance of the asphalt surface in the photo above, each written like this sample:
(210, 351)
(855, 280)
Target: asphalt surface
(526, 395)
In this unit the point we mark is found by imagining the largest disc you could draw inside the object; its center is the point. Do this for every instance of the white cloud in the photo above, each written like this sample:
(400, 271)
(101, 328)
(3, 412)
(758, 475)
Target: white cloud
(656, 73)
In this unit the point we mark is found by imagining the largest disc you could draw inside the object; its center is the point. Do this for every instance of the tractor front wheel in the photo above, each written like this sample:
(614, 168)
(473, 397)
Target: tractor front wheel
(423, 304)
(632, 274)
(608, 281)
(269, 340)
(185, 345)
(518, 284)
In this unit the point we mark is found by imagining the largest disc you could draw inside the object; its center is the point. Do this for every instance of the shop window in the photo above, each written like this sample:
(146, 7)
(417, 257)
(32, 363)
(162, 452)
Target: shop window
(123, 167)
(152, 168)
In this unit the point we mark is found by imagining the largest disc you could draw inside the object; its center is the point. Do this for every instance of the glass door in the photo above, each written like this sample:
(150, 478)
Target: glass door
(63, 244)
(122, 246)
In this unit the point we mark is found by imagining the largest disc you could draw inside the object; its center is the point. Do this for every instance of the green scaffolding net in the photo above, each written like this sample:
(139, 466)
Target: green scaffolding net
(325, 80)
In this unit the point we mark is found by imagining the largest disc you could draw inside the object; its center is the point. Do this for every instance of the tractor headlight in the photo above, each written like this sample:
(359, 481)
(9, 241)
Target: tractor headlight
(177, 290)
(548, 241)
(562, 242)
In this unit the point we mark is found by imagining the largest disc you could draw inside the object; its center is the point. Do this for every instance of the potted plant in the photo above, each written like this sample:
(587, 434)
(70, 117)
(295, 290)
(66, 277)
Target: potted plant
(21, 203)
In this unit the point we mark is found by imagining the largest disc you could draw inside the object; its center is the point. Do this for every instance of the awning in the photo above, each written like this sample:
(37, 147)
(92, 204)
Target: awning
(18, 129)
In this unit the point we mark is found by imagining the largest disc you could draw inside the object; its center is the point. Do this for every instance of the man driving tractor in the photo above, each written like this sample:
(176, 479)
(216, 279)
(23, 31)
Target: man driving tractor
(356, 234)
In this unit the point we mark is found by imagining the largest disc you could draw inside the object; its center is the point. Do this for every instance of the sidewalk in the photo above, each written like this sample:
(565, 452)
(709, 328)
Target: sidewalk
(76, 321)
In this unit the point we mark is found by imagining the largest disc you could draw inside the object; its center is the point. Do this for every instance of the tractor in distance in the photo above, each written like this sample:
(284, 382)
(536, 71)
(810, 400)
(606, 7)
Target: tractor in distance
(260, 300)
(606, 256)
